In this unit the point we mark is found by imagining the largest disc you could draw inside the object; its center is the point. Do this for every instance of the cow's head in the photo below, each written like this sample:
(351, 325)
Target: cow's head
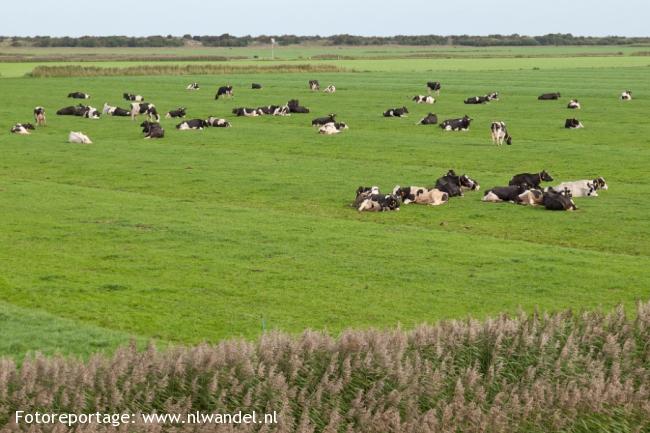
(545, 176)
(467, 182)
(509, 140)
(404, 109)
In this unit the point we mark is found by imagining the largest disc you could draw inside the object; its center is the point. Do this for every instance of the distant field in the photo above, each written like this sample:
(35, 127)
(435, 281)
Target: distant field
(220, 233)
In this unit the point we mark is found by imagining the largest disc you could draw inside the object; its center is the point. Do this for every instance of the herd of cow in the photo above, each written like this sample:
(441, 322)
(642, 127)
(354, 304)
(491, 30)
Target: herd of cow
(524, 189)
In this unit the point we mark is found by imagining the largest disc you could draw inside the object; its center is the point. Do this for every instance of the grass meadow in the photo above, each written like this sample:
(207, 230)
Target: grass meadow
(221, 233)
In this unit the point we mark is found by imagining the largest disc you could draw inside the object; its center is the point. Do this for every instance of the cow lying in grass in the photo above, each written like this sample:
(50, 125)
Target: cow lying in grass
(320, 121)
(115, 111)
(531, 180)
(555, 200)
(179, 112)
(217, 122)
(295, 107)
(133, 98)
(459, 124)
(332, 128)
(152, 129)
(78, 137)
(379, 203)
(396, 112)
(421, 195)
(429, 119)
(192, 124)
(455, 185)
(422, 99)
(22, 128)
(246, 112)
(78, 95)
(583, 188)
(573, 124)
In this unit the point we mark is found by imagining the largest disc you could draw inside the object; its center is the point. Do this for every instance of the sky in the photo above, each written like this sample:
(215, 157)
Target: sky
(325, 17)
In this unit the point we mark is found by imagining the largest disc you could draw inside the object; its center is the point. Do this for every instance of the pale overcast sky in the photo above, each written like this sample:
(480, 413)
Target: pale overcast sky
(324, 17)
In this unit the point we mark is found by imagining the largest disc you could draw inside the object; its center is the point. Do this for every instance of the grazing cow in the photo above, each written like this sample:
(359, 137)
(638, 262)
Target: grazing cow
(530, 197)
(574, 104)
(256, 86)
(294, 107)
(494, 96)
(330, 89)
(434, 86)
(509, 193)
(626, 95)
(454, 185)
(549, 96)
(314, 85)
(144, 108)
(39, 116)
(179, 112)
(531, 180)
(429, 119)
(77, 110)
(396, 112)
(21, 128)
(500, 133)
(320, 121)
(332, 128)
(460, 124)
(554, 200)
(224, 91)
(192, 86)
(133, 98)
(573, 124)
(477, 100)
(421, 99)
(247, 112)
(364, 192)
(115, 111)
(218, 122)
(192, 124)
(152, 129)
(78, 95)
(379, 203)
(583, 188)
(78, 137)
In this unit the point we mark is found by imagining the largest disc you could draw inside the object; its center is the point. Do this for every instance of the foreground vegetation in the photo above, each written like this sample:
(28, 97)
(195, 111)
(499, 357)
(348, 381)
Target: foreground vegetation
(530, 373)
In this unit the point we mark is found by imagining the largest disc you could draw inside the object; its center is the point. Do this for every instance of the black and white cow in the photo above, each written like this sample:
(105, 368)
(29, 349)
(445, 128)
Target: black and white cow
(320, 121)
(76, 110)
(460, 124)
(144, 108)
(22, 128)
(179, 112)
(363, 193)
(246, 112)
(549, 96)
(531, 180)
(314, 85)
(433, 86)
(115, 111)
(193, 86)
(422, 99)
(455, 185)
(192, 124)
(429, 119)
(626, 95)
(295, 107)
(493, 96)
(274, 110)
(574, 105)
(556, 200)
(500, 133)
(583, 188)
(133, 98)
(152, 129)
(256, 86)
(476, 100)
(39, 116)
(530, 197)
(332, 128)
(78, 95)
(90, 113)
(379, 203)
(224, 91)
(396, 112)
(217, 122)
(330, 89)
(509, 193)
(573, 124)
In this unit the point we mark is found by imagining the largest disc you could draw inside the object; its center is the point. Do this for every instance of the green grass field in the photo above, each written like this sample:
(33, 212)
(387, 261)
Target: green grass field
(229, 232)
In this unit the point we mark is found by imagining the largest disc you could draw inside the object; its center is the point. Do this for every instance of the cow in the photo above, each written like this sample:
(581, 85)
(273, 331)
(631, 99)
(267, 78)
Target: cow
(256, 86)
(192, 86)
(433, 86)
(133, 98)
(274, 110)
(314, 85)
(500, 133)
(476, 100)
(396, 112)
(39, 116)
(247, 112)
(626, 95)
(549, 96)
(179, 112)
(144, 108)
(78, 137)
(332, 128)
(224, 91)
(363, 193)
(217, 122)
(21, 128)
(530, 197)
(455, 185)
(429, 119)
(192, 124)
(294, 107)
(422, 99)
(493, 96)
(573, 124)
(531, 180)
(77, 110)
(407, 194)
(78, 95)
(583, 188)
(460, 124)
(330, 89)
(115, 111)
(152, 129)
(509, 193)
(421, 195)
(320, 121)
(379, 203)
(90, 113)
(555, 200)
(574, 105)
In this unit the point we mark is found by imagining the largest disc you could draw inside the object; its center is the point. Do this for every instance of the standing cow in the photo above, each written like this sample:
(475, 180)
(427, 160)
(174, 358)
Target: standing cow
(500, 133)
(39, 115)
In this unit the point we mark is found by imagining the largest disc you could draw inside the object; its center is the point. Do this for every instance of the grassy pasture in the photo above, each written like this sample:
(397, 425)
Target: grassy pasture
(220, 233)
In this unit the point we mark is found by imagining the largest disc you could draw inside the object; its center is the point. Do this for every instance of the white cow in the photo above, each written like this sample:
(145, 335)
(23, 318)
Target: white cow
(78, 137)
(583, 188)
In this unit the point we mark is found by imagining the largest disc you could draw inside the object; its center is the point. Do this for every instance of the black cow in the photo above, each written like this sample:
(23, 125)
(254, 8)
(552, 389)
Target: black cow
(454, 185)
(554, 200)
(429, 119)
(121, 112)
(179, 112)
(132, 97)
(433, 86)
(152, 129)
(314, 85)
(78, 95)
(294, 107)
(39, 115)
(532, 180)
(504, 193)
(549, 96)
(461, 124)
(477, 100)
(192, 124)
(255, 86)
(396, 112)
(573, 124)
(77, 110)
(320, 121)
(224, 91)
